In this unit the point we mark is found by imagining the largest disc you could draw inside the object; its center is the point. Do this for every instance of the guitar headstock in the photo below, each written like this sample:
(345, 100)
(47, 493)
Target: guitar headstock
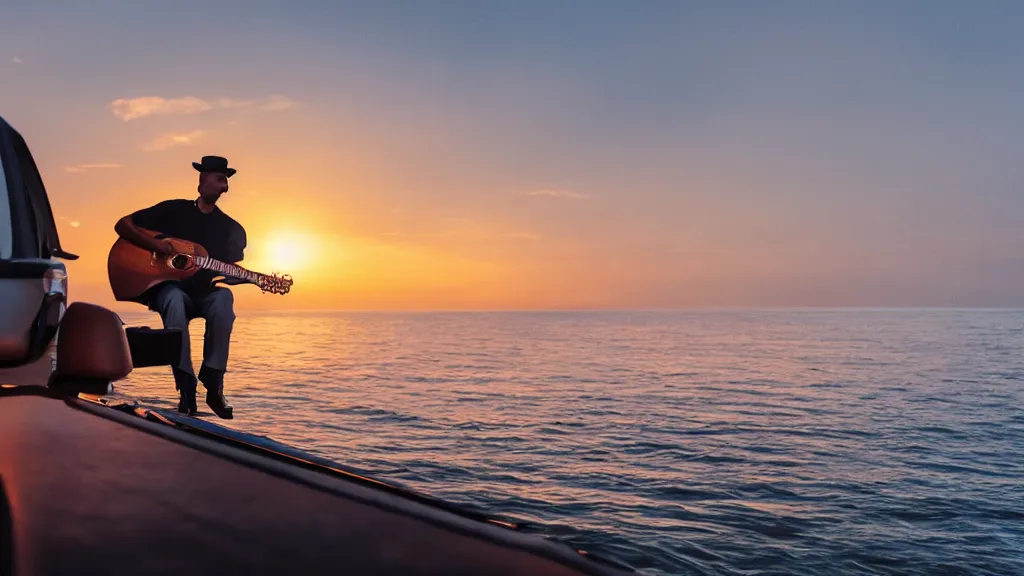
(275, 283)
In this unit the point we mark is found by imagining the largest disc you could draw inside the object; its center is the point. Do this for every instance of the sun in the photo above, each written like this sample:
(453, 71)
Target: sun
(286, 252)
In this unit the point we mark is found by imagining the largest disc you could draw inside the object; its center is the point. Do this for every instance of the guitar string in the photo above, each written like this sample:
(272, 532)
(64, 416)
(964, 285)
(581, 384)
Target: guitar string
(224, 268)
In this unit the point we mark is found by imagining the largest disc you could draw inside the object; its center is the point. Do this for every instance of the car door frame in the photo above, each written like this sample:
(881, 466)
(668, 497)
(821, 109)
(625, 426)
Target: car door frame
(35, 268)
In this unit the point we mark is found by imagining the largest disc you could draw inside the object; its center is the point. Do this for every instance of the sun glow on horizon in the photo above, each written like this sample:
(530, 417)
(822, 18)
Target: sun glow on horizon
(286, 252)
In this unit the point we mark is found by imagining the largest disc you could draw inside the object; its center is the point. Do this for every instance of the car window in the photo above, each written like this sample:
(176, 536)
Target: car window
(46, 227)
(6, 230)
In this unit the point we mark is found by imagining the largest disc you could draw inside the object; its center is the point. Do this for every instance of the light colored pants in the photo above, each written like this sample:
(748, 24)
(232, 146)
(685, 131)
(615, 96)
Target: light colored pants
(177, 309)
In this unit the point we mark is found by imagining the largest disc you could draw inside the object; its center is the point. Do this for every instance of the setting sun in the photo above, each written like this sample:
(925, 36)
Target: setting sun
(286, 252)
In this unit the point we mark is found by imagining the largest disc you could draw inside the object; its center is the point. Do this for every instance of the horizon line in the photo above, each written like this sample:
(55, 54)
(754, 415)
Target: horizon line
(804, 308)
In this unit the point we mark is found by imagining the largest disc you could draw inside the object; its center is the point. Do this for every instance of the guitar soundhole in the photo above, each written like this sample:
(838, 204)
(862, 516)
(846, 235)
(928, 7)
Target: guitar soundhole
(179, 262)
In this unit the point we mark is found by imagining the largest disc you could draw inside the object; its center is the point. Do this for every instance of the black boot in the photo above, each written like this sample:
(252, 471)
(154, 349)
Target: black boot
(186, 386)
(213, 380)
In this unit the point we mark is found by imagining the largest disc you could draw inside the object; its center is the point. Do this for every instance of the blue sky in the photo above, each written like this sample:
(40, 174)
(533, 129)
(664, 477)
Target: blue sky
(711, 153)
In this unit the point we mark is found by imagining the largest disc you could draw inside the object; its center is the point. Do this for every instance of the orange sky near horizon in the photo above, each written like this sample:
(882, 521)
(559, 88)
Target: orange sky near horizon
(345, 243)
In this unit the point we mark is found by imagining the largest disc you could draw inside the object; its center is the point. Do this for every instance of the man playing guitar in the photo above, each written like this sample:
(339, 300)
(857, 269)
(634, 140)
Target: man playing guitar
(178, 302)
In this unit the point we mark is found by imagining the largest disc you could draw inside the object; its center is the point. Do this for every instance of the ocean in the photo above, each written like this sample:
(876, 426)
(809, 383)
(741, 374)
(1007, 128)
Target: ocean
(712, 442)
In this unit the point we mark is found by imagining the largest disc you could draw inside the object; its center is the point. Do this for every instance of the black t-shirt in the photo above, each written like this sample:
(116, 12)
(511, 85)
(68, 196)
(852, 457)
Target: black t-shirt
(223, 237)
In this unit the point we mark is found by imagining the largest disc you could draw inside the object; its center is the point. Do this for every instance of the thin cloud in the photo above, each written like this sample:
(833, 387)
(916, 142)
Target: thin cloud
(523, 235)
(72, 223)
(277, 103)
(17, 60)
(87, 167)
(559, 194)
(471, 229)
(173, 140)
(274, 103)
(134, 108)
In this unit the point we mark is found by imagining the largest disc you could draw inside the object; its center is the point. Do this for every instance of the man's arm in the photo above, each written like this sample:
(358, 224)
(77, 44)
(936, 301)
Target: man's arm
(128, 229)
(237, 244)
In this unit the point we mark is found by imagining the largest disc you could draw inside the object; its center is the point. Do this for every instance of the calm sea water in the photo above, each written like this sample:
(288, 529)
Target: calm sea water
(755, 442)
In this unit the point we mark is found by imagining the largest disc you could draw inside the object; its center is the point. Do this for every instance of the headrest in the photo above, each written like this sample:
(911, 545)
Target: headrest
(92, 345)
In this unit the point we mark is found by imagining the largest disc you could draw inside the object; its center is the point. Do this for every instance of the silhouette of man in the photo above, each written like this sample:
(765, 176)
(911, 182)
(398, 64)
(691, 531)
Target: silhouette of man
(203, 222)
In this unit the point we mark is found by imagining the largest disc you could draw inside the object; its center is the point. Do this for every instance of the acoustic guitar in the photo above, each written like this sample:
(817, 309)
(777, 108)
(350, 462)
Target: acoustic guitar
(132, 270)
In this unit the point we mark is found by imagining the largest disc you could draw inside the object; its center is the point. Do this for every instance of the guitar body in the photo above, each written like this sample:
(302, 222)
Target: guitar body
(132, 270)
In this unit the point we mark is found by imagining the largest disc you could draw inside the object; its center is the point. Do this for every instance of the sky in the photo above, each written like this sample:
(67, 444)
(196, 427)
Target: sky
(565, 154)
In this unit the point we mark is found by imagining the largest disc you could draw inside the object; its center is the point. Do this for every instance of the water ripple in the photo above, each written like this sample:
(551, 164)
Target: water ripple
(733, 443)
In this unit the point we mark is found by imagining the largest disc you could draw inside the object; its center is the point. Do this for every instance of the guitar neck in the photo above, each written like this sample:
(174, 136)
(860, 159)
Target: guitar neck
(228, 269)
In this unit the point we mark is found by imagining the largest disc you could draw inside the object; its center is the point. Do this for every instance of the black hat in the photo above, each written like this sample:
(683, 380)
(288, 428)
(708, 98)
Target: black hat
(214, 164)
